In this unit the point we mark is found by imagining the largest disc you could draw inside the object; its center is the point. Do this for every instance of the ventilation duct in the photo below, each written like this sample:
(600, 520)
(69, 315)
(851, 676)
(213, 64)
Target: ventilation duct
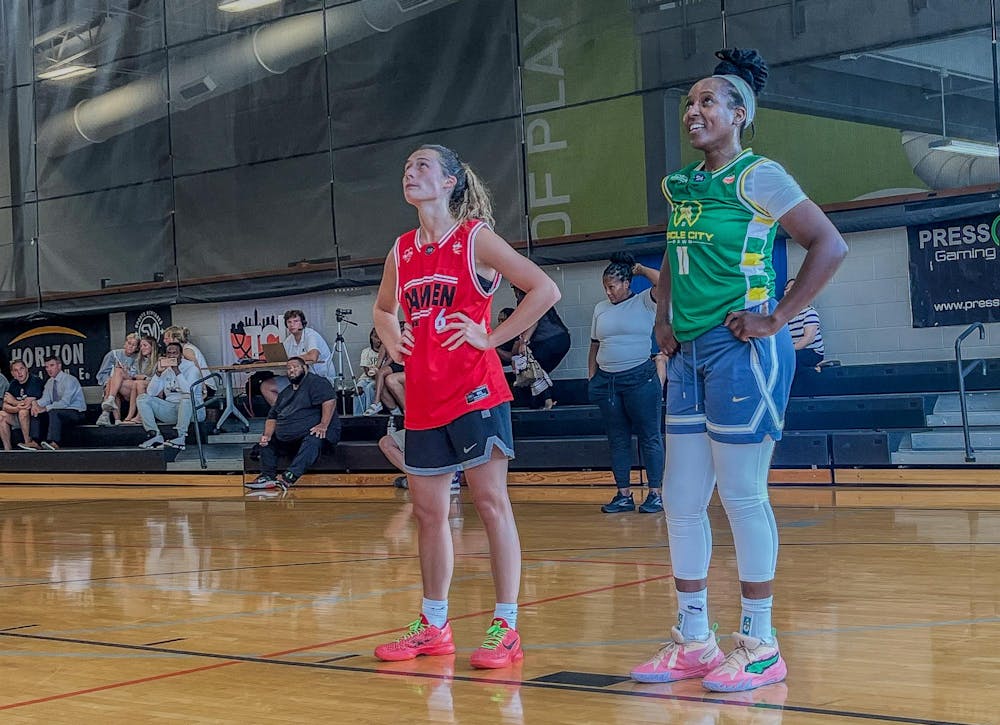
(944, 169)
(268, 50)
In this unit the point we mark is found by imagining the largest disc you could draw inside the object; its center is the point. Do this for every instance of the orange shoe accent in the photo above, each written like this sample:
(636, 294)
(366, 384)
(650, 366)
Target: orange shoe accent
(421, 638)
(500, 648)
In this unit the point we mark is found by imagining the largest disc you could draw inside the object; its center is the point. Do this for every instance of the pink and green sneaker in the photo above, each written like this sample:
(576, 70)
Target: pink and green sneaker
(680, 659)
(753, 663)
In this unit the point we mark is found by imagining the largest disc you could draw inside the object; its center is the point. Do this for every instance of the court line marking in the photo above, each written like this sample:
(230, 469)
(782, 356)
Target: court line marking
(264, 658)
(269, 660)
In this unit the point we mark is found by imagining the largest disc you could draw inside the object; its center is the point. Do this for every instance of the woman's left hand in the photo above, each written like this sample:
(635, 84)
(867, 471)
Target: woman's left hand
(466, 331)
(746, 325)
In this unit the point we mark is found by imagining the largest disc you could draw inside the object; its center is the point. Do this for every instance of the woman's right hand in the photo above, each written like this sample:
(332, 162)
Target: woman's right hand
(404, 347)
(665, 337)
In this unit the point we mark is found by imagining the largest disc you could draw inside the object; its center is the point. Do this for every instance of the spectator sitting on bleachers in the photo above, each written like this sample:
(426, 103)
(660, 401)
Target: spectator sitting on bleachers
(146, 366)
(117, 367)
(168, 398)
(24, 390)
(191, 352)
(62, 403)
(4, 384)
(807, 339)
(302, 418)
(390, 390)
(302, 342)
(390, 387)
(549, 341)
(372, 358)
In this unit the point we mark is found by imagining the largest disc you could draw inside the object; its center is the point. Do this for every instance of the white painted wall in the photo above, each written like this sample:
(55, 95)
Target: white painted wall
(865, 311)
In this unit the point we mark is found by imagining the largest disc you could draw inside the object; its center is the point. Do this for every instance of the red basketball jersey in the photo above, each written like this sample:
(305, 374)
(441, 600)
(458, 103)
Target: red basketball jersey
(433, 281)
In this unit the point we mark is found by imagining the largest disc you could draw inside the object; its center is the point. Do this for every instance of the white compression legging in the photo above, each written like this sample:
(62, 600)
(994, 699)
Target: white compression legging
(693, 464)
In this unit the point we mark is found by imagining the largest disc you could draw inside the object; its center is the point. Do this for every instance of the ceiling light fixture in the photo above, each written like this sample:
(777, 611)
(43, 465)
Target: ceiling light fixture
(242, 6)
(968, 148)
(65, 71)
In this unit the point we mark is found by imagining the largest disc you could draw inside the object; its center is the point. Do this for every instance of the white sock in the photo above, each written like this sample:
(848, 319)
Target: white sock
(756, 619)
(692, 614)
(506, 612)
(435, 611)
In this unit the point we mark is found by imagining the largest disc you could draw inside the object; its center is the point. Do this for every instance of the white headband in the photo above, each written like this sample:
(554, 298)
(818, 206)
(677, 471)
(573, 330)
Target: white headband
(746, 93)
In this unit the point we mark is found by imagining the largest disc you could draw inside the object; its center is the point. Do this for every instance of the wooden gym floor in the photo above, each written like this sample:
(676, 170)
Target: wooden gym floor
(187, 606)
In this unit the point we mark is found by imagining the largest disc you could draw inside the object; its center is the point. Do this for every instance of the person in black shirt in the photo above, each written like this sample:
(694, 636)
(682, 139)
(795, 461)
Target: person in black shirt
(24, 390)
(301, 419)
(549, 342)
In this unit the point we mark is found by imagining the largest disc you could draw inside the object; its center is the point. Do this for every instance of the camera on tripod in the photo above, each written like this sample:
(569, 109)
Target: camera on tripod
(341, 314)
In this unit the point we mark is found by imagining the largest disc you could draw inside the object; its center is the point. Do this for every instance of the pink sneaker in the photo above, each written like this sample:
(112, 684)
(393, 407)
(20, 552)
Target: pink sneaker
(680, 659)
(420, 638)
(750, 665)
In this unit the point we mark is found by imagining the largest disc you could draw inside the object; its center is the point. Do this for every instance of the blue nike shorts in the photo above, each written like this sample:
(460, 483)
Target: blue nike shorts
(736, 391)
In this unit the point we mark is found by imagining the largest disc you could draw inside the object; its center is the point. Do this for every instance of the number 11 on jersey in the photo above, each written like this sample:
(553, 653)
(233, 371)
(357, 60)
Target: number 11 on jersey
(683, 262)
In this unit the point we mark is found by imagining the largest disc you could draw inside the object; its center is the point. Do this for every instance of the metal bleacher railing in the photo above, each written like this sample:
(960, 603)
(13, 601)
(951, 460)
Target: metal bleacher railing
(963, 371)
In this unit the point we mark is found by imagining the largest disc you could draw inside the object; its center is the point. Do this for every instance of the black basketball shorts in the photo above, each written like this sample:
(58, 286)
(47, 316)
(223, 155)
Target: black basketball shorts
(464, 443)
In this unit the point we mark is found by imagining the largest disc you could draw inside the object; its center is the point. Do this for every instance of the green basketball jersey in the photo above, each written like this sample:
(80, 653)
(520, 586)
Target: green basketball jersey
(719, 244)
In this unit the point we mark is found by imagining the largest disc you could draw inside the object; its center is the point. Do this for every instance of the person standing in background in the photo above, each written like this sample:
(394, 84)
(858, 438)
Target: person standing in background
(623, 381)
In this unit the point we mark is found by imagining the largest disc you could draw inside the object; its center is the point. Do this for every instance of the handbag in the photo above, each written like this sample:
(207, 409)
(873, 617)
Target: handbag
(532, 375)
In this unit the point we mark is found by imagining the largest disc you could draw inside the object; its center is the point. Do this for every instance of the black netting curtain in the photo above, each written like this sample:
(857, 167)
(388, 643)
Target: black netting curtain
(158, 151)
(209, 149)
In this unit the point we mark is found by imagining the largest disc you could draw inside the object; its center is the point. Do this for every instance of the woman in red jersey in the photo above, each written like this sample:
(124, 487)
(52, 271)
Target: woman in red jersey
(444, 274)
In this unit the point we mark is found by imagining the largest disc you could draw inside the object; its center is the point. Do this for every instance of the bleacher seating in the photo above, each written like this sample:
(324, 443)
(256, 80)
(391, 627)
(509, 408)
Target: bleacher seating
(846, 416)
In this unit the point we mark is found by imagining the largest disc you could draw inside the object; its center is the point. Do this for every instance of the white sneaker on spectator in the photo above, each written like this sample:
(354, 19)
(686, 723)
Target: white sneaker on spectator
(155, 441)
(396, 411)
(108, 405)
(373, 409)
(180, 443)
(104, 419)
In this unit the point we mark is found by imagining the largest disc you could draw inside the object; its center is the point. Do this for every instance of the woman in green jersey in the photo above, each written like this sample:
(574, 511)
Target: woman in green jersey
(730, 369)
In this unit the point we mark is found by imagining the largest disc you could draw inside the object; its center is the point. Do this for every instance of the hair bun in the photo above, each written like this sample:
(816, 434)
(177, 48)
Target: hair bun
(622, 258)
(746, 63)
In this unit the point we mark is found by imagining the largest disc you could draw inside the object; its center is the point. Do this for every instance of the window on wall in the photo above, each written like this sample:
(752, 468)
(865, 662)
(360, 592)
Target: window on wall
(583, 117)
(899, 100)
(204, 139)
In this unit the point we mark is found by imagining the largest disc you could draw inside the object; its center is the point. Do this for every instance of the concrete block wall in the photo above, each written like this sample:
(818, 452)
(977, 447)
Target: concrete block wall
(865, 310)
(580, 285)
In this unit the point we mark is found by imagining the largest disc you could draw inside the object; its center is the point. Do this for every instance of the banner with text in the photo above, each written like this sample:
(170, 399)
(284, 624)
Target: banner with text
(954, 270)
(80, 343)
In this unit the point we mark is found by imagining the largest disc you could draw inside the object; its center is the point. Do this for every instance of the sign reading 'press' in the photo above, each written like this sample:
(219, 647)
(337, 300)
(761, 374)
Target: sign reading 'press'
(954, 268)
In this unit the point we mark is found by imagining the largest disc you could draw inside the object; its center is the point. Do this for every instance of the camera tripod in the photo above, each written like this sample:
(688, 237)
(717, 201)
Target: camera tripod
(340, 382)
